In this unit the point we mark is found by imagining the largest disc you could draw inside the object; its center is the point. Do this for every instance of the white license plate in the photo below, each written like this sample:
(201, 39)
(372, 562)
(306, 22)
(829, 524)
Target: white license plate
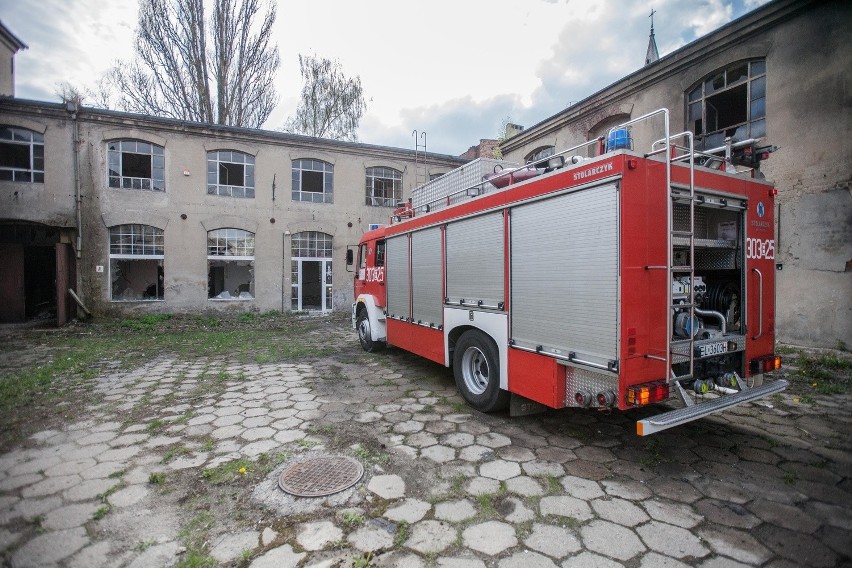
(710, 349)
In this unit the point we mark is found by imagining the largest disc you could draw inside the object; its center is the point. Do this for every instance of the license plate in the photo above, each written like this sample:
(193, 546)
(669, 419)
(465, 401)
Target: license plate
(710, 349)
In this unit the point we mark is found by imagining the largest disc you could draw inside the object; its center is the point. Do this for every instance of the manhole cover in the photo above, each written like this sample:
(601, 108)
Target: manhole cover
(316, 477)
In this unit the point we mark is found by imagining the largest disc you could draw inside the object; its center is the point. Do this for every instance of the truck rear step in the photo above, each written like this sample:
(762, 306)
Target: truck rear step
(688, 414)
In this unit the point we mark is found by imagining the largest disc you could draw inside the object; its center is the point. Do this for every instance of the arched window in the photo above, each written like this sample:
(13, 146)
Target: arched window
(728, 102)
(21, 155)
(136, 164)
(384, 186)
(313, 180)
(136, 263)
(230, 264)
(230, 173)
(539, 154)
(312, 275)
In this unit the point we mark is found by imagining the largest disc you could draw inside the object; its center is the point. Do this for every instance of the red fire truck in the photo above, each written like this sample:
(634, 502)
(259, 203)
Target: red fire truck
(614, 281)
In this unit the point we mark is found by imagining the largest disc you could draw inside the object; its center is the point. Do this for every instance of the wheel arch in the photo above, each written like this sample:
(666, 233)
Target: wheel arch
(494, 325)
(376, 315)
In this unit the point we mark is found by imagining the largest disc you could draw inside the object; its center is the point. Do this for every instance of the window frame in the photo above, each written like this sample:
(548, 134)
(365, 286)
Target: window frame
(146, 244)
(34, 142)
(720, 83)
(540, 153)
(219, 160)
(230, 245)
(326, 169)
(383, 174)
(115, 158)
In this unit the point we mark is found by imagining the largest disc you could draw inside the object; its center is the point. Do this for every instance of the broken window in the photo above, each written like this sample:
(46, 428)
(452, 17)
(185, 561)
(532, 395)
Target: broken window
(136, 164)
(539, 154)
(230, 173)
(136, 263)
(230, 264)
(728, 102)
(313, 180)
(21, 155)
(384, 186)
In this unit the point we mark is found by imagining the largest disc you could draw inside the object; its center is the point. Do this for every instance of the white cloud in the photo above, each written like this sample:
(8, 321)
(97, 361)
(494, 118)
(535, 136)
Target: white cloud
(454, 69)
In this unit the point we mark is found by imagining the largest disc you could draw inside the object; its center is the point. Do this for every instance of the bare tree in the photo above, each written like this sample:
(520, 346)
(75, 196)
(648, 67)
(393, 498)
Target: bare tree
(176, 74)
(332, 104)
(69, 93)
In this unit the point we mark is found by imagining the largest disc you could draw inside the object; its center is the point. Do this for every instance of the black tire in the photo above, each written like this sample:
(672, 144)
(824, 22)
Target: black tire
(362, 324)
(476, 366)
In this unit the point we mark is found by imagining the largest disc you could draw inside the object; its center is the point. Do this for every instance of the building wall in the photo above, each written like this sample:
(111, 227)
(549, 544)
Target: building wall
(809, 118)
(185, 212)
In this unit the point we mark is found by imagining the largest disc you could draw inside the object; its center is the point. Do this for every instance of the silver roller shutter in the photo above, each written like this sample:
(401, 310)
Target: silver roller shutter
(565, 274)
(427, 276)
(396, 276)
(475, 264)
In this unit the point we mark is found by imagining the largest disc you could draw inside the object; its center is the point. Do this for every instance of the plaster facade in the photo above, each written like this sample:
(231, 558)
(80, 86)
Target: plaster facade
(185, 212)
(808, 109)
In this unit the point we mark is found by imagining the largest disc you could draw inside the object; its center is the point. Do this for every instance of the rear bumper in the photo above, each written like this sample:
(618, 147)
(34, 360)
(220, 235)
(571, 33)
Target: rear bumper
(689, 413)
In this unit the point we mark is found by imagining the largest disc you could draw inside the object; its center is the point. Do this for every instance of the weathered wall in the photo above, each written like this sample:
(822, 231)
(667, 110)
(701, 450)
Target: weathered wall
(186, 145)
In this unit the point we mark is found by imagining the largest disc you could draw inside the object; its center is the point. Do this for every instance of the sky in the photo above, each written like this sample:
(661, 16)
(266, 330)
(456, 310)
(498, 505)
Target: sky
(455, 69)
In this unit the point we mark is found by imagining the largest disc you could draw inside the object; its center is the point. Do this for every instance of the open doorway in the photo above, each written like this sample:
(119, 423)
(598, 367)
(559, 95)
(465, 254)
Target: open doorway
(311, 276)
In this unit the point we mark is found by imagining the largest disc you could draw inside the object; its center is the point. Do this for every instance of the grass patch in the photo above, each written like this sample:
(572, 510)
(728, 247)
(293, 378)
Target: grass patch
(368, 456)
(157, 478)
(101, 512)
(175, 452)
(823, 373)
(401, 535)
(146, 322)
(228, 472)
(352, 519)
(155, 426)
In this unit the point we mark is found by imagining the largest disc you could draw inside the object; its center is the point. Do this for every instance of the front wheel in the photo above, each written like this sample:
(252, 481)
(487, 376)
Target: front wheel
(476, 366)
(365, 334)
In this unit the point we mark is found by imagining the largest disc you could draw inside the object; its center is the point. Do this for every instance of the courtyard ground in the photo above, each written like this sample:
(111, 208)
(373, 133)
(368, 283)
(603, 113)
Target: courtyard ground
(159, 441)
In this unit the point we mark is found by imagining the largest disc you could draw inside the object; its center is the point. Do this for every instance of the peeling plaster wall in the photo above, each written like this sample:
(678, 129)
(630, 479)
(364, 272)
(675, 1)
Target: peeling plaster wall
(185, 239)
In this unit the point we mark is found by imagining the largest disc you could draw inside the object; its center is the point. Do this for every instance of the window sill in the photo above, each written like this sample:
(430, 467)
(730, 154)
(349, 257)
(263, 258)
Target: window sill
(139, 301)
(235, 299)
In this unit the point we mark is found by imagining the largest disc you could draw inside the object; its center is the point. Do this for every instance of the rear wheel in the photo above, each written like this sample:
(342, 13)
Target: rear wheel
(365, 334)
(476, 366)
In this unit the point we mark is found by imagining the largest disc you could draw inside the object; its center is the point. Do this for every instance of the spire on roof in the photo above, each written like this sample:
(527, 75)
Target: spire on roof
(652, 54)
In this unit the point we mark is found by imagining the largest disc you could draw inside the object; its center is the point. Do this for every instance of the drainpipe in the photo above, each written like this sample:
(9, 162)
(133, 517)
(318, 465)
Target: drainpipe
(73, 108)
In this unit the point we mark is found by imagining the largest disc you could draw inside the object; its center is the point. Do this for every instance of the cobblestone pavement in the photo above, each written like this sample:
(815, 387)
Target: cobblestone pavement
(762, 485)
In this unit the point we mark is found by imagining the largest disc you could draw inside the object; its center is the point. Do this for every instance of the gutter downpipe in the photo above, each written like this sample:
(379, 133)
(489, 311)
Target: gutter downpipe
(73, 108)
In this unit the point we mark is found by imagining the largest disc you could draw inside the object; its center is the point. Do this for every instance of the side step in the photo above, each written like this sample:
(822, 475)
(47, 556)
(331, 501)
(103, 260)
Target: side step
(688, 414)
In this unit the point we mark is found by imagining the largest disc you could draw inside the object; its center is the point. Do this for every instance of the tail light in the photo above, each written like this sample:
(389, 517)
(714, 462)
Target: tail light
(765, 364)
(639, 395)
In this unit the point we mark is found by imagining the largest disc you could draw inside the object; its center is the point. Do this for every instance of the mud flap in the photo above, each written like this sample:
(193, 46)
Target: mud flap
(521, 406)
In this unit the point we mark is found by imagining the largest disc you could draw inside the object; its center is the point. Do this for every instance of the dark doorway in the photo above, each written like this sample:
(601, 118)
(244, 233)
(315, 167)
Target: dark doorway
(311, 285)
(37, 271)
(12, 296)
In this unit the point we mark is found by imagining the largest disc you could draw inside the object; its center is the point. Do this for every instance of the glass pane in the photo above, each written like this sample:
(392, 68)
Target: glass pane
(758, 88)
(737, 72)
(758, 68)
(143, 147)
(714, 83)
(158, 150)
(758, 108)
(38, 177)
(758, 128)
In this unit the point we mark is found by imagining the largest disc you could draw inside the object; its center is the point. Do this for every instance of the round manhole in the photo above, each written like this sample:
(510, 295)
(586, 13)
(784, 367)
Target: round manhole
(316, 477)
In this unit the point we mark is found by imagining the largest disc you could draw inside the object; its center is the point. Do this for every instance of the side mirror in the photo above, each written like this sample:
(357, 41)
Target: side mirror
(350, 257)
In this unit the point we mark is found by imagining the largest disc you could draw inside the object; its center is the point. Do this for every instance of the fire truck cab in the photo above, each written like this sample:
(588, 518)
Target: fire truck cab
(614, 281)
